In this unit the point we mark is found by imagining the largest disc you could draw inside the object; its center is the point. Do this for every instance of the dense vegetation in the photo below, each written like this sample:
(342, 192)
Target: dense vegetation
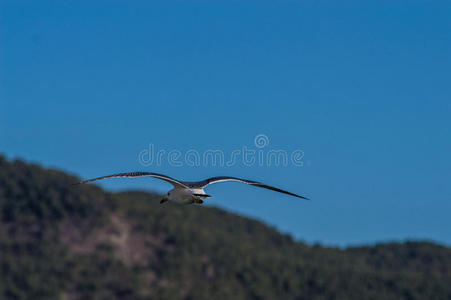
(59, 241)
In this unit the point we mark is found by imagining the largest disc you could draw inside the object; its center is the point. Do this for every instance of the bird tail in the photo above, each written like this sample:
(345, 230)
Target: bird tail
(202, 195)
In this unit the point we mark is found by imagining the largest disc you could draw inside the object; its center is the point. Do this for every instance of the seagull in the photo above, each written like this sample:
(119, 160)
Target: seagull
(189, 192)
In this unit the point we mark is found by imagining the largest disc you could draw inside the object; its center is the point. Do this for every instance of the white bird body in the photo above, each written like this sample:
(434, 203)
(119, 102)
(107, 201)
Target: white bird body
(185, 195)
(185, 192)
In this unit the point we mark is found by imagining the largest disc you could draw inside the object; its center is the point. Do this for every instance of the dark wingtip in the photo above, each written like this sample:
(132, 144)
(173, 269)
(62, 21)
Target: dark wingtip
(299, 196)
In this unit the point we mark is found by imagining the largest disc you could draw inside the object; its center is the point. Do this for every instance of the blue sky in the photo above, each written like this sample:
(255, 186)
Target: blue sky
(361, 87)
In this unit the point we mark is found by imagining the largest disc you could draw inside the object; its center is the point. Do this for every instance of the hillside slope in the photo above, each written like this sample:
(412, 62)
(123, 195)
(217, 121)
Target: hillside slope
(59, 241)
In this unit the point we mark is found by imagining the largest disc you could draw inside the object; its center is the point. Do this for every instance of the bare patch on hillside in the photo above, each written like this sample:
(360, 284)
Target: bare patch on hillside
(129, 245)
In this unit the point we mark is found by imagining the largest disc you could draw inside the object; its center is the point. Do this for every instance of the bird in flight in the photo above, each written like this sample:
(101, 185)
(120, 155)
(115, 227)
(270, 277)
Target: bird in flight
(188, 192)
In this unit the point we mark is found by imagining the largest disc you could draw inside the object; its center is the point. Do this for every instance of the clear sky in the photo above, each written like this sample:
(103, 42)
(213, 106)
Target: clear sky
(362, 88)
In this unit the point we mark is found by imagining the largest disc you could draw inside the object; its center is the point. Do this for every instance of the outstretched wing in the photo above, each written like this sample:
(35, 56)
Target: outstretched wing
(175, 183)
(208, 181)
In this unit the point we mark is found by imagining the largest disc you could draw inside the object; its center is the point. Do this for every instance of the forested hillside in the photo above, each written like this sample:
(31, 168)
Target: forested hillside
(59, 241)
